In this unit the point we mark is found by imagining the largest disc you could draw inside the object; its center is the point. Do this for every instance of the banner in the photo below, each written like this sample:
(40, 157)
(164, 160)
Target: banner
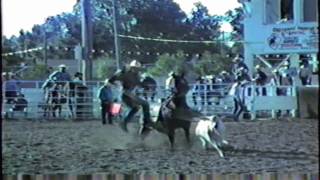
(293, 38)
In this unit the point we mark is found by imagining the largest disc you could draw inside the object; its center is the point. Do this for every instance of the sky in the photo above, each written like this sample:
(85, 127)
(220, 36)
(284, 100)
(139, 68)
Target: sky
(23, 14)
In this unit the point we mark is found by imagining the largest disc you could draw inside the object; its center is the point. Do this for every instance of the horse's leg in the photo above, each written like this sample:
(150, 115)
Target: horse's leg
(236, 109)
(59, 110)
(70, 107)
(187, 133)
(53, 109)
(171, 138)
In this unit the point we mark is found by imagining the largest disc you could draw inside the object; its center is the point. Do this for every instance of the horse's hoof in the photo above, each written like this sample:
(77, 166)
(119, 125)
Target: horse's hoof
(123, 126)
(145, 131)
(225, 142)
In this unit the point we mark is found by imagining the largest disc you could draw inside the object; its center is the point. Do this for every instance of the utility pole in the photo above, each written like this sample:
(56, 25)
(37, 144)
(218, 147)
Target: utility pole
(115, 30)
(45, 53)
(86, 32)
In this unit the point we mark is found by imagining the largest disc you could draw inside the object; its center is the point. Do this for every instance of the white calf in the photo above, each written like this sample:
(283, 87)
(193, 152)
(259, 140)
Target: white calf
(210, 132)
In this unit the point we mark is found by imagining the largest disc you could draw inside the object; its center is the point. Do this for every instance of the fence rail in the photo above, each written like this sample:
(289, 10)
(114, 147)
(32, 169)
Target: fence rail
(207, 98)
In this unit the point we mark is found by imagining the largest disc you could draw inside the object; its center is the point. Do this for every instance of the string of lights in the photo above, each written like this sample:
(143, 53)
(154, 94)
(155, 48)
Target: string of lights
(102, 51)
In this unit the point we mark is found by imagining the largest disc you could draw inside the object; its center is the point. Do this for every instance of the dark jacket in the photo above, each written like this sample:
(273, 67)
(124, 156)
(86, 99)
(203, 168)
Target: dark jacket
(129, 78)
(261, 78)
(105, 94)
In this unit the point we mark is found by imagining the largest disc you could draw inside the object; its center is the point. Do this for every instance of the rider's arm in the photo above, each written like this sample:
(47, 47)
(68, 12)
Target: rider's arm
(53, 75)
(115, 77)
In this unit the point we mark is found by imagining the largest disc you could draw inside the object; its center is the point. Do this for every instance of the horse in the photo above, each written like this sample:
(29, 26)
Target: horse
(174, 112)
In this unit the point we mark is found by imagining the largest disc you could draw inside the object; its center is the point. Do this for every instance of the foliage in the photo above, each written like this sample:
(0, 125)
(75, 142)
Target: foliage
(167, 63)
(146, 18)
(212, 64)
(36, 73)
(105, 67)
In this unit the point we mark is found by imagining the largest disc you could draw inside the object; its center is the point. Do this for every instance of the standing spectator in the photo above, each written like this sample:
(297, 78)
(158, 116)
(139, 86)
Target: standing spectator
(170, 82)
(106, 99)
(238, 64)
(149, 86)
(20, 103)
(76, 93)
(195, 90)
(260, 78)
(285, 77)
(225, 77)
(305, 74)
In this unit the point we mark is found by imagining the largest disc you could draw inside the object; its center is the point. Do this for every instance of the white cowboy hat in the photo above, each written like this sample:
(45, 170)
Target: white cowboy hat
(62, 66)
(223, 72)
(170, 73)
(106, 81)
(135, 63)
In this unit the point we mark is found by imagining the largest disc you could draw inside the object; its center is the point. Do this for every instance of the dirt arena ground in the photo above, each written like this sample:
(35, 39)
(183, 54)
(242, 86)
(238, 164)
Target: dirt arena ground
(86, 147)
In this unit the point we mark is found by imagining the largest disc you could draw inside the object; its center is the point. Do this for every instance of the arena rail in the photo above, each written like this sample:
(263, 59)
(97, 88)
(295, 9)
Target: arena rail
(209, 99)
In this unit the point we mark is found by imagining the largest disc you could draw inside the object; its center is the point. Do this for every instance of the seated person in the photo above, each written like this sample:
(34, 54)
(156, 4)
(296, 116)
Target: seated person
(20, 103)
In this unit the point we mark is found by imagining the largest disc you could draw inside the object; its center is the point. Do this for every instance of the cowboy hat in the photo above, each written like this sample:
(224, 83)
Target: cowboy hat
(135, 63)
(286, 63)
(223, 72)
(106, 81)
(62, 66)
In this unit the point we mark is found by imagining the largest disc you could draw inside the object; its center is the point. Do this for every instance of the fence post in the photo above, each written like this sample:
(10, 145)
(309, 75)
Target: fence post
(294, 95)
(205, 99)
(273, 90)
(252, 102)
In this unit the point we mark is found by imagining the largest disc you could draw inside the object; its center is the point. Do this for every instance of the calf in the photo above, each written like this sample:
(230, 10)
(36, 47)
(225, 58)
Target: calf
(210, 132)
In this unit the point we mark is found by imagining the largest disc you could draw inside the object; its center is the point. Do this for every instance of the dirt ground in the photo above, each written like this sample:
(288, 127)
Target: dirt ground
(86, 147)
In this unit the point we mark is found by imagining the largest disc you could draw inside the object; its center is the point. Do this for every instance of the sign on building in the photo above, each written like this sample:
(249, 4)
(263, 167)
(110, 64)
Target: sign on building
(293, 38)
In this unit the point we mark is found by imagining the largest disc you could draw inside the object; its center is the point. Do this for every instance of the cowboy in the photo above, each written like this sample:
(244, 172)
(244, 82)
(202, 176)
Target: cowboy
(130, 79)
(61, 76)
(106, 98)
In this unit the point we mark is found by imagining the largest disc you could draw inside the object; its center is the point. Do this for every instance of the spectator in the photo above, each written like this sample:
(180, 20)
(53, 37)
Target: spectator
(195, 90)
(149, 86)
(238, 64)
(285, 78)
(260, 78)
(20, 103)
(76, 83)
(106, 100)
(305, 74)
(170, 82)
(12, 88)
(243, 76)
(225, 77)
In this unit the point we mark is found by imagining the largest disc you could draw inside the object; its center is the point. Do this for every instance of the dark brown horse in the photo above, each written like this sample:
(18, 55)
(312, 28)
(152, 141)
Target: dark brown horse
(174, 112)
